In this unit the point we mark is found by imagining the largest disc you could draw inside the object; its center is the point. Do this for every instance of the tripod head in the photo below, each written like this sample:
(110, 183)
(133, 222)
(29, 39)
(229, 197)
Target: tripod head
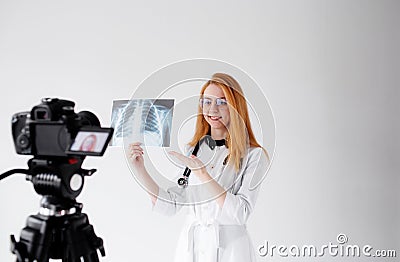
(61, 177)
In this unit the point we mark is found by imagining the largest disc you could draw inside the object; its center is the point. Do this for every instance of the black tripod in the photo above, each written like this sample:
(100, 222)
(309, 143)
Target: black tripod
(60, 230)
(57, 232)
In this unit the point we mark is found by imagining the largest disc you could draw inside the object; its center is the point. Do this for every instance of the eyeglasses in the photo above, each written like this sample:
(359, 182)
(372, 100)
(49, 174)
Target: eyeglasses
(219, 102)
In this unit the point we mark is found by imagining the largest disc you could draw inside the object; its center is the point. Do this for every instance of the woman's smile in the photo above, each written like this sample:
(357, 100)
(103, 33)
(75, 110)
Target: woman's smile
(215, 118)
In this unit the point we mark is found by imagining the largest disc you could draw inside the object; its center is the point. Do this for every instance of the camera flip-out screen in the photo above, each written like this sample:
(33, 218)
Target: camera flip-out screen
(91, 141)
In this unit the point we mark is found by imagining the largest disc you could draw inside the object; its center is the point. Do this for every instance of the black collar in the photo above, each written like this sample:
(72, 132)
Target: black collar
(211, 142)
(220, 142)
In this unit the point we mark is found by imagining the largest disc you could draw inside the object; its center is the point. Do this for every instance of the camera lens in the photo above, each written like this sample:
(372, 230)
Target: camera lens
(182, 182)
(88, 118)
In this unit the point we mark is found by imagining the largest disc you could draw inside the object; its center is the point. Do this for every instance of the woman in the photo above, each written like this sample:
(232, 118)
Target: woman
(88, 144)
(222, 196)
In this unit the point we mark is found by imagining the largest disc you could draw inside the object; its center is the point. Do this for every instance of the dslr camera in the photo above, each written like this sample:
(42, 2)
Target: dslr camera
(51, 127)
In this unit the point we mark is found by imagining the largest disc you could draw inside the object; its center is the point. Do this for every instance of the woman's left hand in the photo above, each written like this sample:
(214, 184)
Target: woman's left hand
(191, 162)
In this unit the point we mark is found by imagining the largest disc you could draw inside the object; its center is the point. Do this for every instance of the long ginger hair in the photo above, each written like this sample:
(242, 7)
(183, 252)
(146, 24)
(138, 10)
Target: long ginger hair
(240, 135)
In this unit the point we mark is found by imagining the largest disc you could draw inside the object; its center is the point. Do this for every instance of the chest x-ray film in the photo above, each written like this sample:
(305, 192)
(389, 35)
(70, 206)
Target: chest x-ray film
(148, 121)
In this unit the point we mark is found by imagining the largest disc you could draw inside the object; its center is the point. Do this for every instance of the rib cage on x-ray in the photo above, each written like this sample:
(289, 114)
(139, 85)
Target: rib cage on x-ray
(144, 120)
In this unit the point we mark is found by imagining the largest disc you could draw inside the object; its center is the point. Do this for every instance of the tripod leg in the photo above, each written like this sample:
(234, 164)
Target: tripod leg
(79, 240)
(35, 239)
(93, 257)
(17, 249)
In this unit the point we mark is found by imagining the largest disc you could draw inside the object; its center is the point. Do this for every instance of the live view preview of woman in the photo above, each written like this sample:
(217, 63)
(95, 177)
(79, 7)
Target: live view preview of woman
(222, 198)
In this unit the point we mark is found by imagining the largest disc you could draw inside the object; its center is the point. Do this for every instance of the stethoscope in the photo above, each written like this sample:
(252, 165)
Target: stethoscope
(184, 180)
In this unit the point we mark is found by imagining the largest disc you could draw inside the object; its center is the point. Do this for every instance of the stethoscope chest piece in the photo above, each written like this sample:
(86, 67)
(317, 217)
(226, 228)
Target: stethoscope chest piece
(183, 182)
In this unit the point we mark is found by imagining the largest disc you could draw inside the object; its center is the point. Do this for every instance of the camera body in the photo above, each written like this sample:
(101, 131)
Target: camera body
(49, 128)
(59, 139)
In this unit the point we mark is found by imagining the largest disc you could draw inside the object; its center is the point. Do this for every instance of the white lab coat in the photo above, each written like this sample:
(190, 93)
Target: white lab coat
(212, 233)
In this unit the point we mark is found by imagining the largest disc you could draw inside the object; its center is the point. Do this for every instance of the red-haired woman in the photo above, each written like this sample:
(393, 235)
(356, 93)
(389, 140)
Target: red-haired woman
(223, 194)
(88, 144)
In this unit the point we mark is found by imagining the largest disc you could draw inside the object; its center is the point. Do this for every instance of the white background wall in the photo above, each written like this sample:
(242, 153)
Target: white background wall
(330, 70)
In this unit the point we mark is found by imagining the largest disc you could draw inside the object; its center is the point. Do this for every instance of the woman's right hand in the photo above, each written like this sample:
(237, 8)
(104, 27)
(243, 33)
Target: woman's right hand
(136, 155)
(137, 160)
